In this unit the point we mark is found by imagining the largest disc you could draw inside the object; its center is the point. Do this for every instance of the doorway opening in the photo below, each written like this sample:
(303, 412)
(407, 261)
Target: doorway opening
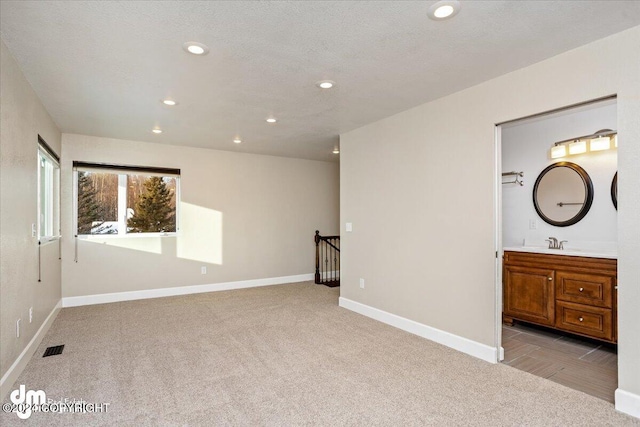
(557, 246)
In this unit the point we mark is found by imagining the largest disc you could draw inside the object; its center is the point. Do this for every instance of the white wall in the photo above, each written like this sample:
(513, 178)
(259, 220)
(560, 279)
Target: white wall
(420, 190)
(22, 118)
(525, 147)
(243, 216)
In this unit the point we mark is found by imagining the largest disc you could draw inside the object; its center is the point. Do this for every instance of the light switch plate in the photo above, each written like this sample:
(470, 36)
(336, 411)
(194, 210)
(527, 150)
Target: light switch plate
(349, 227)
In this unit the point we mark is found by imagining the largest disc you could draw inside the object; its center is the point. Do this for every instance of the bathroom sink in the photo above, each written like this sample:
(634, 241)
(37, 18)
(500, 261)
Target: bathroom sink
(598, 253)
(552, 250)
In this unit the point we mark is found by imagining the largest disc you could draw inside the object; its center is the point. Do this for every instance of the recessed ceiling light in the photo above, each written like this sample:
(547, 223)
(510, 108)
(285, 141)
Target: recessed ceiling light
(271, 120)
(336, 151)
(325, 84)
(169, 102)
(444, 9)
(157, 131)
(196, 48)
(237, 140)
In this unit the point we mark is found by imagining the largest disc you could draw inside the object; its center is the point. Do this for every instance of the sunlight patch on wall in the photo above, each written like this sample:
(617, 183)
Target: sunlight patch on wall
(200, 235)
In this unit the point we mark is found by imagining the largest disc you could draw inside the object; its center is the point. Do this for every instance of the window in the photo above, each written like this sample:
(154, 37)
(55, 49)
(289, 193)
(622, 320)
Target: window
(121, 200)
(48, 193)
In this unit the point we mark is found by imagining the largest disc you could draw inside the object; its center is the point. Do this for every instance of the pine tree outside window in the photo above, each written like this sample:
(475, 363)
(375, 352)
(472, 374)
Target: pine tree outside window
(125, 200)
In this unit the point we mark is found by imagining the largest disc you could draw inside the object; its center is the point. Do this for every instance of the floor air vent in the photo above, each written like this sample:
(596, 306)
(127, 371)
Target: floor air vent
(52, 351)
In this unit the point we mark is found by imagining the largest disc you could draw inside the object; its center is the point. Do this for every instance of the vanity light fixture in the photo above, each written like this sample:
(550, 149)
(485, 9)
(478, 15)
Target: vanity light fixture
(599, 141)
(237, 140)
(578, 146)
(169, 102)
(336, 150)
(271, 120)
(156, 131)
(196, 48)
(444, 9)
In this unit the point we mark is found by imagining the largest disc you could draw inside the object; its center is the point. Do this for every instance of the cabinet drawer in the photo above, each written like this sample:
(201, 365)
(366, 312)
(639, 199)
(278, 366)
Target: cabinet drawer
(584, 288)
(583, 319)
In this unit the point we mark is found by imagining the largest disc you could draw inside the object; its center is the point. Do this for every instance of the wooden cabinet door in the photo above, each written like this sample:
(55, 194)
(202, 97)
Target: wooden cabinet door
(529, 294)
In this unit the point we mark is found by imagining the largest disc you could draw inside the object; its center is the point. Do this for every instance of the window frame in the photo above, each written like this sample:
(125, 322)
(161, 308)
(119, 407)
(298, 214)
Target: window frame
(123, 172)
(48, 222)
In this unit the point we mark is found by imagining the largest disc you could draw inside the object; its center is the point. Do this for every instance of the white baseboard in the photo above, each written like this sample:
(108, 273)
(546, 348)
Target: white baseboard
(465, 345)
(628, 403)
(181, 290)
(20, 363)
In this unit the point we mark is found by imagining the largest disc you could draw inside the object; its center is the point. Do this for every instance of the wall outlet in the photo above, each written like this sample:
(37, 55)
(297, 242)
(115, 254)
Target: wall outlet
(33, 230)
(18, 328)
(203, 270)
(30, 314)
(533, 224)
(361, 283)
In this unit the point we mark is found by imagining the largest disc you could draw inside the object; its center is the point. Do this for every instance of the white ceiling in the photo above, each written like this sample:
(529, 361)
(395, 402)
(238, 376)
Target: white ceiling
(102, 67)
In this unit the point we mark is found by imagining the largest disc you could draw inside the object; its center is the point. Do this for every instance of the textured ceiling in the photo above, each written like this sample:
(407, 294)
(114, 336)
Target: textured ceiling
(102, 67)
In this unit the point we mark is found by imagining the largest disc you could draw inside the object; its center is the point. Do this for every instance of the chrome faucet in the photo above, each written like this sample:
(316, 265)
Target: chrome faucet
(554, 244)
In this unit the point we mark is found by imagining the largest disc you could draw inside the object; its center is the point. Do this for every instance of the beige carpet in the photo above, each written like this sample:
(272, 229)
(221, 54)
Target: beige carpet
(280, 355)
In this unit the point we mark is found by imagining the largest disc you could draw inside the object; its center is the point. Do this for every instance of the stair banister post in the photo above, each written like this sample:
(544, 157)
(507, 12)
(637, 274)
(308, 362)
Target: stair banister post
(317, 240)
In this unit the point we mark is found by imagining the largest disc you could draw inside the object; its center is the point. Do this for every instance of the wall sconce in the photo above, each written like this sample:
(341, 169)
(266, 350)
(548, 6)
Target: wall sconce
(599, 141)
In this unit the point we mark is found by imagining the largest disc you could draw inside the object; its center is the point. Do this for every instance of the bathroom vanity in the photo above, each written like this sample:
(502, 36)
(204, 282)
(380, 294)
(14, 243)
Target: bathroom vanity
(564, 290)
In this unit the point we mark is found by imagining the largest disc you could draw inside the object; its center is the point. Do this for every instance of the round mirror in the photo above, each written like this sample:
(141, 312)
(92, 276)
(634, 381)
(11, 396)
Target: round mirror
(562, 194)
(614, 190)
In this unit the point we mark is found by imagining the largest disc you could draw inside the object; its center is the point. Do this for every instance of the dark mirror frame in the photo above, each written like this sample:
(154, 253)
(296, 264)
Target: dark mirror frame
(614, 190)
(588, 187)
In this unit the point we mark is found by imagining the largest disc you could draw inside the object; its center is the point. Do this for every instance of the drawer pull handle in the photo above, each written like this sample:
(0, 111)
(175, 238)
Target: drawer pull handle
(550, 278)
(580, 319)
(581, 289)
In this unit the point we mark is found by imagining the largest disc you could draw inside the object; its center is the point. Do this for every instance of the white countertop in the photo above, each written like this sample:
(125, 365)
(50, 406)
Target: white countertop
(589, 253)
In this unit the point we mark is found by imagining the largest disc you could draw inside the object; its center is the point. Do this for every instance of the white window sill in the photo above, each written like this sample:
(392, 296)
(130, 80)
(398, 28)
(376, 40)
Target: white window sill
(49, 239)
(124, 236)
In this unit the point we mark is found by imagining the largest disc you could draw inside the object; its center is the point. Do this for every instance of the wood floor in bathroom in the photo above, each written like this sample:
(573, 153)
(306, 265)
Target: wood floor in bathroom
(585, 365)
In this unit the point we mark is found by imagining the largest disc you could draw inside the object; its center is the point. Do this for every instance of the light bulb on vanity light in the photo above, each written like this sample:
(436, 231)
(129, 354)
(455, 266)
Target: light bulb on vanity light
(558, 151)
(600, 143)
(578, 146)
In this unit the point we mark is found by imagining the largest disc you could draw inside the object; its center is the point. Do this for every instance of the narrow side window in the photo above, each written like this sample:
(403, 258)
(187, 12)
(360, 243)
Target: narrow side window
(48, 193)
